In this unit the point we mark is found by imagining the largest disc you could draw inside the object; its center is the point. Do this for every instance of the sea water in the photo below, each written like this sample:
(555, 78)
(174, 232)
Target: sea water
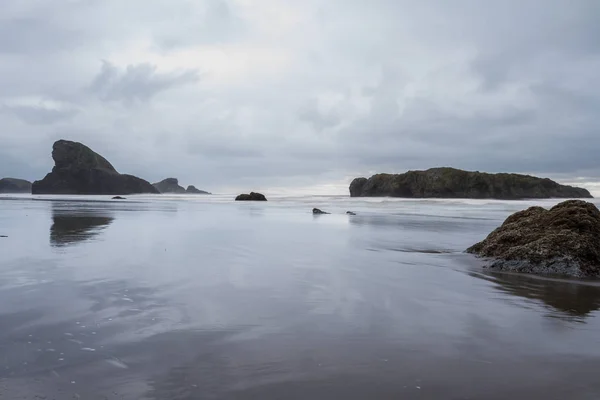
(201, 297)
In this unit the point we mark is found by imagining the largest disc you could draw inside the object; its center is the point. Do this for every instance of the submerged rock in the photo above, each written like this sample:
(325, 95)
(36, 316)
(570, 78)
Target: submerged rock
(564, 240)
(79, 170)
(192, 190)
(119, 198)
(253, 196)
(169, 185)
(317, 211)
(12, 185)
(350, 213)
(456, 183)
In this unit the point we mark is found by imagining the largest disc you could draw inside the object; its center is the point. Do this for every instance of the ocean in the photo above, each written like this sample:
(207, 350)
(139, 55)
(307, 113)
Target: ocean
(200, 297)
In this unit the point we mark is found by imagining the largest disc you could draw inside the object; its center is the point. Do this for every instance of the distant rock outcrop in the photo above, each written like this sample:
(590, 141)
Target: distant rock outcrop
(564, 240)
(192, 190)
(253, 196)
(12, 185)
(169, 185)
(317, 211)
(79, 170)
(456, 183)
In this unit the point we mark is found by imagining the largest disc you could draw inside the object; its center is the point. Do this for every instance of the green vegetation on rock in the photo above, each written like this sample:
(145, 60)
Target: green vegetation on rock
(456, 183)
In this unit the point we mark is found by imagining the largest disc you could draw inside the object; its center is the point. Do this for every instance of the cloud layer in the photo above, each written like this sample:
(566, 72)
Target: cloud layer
(238, 94)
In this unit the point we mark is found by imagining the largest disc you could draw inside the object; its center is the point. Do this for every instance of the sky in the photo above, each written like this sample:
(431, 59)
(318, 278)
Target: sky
(237, 95)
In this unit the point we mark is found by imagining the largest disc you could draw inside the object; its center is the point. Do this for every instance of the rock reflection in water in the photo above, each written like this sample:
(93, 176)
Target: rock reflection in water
(572, 298)
(69, 228)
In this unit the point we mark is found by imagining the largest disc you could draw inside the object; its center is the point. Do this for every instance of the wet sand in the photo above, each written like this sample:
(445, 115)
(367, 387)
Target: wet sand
(187, 298)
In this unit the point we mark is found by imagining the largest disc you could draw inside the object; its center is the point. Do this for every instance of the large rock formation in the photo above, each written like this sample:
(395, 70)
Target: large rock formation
(251, 197)
(192, 190)
(169, 185)
(12, 185)
(455, 183)
(564, 240)
(79, 170)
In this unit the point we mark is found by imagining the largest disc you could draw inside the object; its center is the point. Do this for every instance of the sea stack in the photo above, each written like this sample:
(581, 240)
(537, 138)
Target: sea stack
(79, 170)
(169, 185)
(456, 183)
(564, 240)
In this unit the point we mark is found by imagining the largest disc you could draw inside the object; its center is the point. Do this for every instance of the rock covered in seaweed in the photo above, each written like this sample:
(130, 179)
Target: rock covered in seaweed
(564, 240)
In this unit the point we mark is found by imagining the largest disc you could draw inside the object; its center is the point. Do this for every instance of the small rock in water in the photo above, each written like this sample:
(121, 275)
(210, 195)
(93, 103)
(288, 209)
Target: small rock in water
(253, 196)
(350, 213)
(1, 236)
(119, 198)
(317, 211)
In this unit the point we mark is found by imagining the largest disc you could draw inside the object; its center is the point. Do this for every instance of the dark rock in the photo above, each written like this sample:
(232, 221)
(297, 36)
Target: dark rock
(564, 240)
(119, 198)
(317, 211)
(3, 236)
(253, 196)
(455, 183)
(12, 185)
(169, 185)
(350, 213)
(192, 190)
(79, 170)
(356, 187)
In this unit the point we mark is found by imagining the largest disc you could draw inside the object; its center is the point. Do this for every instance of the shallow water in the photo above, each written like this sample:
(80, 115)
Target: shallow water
(177, 297)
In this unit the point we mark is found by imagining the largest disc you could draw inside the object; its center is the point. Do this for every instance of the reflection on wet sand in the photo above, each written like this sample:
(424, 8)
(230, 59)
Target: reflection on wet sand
(413, 221)
(74, 227)
(572, 298)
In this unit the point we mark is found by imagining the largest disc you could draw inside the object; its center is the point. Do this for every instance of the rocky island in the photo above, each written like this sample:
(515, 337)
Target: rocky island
(456, 183)
(79, 170)
(169, 185)
(193, 190)
(564, 240)
(12, 185)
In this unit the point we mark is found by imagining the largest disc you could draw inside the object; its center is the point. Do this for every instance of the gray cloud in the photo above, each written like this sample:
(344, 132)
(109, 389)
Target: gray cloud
(24, 36)
(214, 23)
(137, 82)
(318, 119)
(299, 93)
(38, 114)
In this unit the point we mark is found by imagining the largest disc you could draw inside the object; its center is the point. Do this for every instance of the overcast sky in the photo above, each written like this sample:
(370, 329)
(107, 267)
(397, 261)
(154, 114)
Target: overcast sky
(272, 94)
